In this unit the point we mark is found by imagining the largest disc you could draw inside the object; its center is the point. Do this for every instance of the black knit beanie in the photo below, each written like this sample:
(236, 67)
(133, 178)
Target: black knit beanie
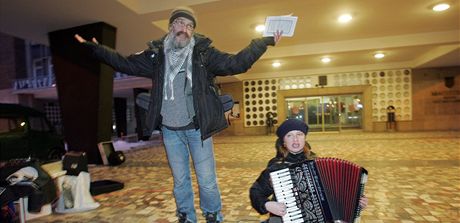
(183, 11)
(289, 125)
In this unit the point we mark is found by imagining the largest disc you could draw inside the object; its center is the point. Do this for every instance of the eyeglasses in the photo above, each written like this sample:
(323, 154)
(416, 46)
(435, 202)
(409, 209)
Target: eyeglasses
(181, 23)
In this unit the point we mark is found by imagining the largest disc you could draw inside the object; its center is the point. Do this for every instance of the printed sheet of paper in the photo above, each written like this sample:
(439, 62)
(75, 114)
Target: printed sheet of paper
(282, 23)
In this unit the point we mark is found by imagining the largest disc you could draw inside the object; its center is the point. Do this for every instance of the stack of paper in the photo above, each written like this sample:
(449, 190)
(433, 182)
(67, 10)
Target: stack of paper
(285, 24)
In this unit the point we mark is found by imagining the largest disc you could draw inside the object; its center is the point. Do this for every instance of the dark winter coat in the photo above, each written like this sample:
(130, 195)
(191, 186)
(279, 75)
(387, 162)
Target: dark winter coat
(208, 62)
(262, 190)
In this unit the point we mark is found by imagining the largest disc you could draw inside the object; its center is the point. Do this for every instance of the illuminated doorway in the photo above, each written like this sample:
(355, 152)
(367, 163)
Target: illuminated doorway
(327, 113)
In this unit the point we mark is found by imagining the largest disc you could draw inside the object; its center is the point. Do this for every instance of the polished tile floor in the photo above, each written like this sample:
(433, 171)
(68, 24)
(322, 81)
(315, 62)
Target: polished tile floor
(413, 177)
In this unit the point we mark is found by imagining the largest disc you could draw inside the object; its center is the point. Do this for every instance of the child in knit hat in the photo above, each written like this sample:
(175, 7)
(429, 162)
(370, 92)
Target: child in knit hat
(292, 148)
(293, 129)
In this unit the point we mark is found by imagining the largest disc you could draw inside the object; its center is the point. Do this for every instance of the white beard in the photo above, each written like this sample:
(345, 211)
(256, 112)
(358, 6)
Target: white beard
(180, 43)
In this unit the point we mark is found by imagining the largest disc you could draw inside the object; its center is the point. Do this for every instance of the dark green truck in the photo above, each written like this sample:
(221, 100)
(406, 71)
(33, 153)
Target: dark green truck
(26, 132)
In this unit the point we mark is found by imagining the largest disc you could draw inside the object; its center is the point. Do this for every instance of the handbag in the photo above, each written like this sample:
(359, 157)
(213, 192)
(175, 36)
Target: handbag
(227, 102)
(74, 162)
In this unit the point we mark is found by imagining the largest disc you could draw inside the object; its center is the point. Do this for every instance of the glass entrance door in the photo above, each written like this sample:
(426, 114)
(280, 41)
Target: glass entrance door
(327, 113)
(331, 113)
(314, 112)
(351, 110)
(323, 113)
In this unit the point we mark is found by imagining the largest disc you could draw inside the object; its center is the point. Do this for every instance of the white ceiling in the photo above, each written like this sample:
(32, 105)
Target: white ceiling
(408, 32)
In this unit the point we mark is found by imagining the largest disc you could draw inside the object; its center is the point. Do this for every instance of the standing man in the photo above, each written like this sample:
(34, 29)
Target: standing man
(184, 103)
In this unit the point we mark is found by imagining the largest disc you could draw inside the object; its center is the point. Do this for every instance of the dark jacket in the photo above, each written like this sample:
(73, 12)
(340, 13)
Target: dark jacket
(262, 190)
(208, 62)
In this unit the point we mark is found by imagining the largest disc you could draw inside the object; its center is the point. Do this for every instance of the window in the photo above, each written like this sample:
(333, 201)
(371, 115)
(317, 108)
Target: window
(42, 67)
(38, 124)
(12, 125)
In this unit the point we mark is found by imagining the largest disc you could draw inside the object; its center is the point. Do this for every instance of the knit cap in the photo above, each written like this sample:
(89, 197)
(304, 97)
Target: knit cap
(183, 11)
(290, 125)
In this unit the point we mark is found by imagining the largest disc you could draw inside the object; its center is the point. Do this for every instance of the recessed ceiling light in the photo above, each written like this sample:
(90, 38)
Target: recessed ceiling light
(260, 28)
(379, 55)
(325, 59)
(276, 64)
(345, 18)
(441, 7)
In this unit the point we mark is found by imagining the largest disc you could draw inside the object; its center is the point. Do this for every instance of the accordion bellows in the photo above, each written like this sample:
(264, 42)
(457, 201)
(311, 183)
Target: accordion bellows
(320, 190)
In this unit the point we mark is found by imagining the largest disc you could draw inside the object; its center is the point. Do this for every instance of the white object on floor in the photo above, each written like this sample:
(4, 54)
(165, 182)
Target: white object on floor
(24, 174)
(75, 194)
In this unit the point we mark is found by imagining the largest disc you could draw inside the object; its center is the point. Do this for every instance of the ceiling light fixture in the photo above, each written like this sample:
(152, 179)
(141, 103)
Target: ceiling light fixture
(379, 55)
(345, 18)
(276, 64)
(325, 59)
(260, 28)
(441, 7)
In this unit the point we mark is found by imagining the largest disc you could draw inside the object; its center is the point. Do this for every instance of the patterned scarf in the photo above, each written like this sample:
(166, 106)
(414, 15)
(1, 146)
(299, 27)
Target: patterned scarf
(175, 59)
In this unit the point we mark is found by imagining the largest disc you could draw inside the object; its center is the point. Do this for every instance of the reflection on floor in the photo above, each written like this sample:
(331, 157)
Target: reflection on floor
(413, 177)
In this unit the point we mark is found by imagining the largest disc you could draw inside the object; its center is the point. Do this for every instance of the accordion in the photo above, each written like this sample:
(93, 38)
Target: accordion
(320, 190)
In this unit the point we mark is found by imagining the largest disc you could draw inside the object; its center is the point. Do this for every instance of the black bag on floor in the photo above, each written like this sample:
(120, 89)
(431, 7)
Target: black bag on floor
(105, 186)
(75, 162)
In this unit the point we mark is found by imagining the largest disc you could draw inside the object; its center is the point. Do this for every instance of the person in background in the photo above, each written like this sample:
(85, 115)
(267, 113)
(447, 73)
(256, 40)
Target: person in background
(184, 103)
(292, 148)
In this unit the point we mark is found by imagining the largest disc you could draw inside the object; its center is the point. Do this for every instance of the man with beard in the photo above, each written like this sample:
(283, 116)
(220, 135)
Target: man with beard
(183, 102)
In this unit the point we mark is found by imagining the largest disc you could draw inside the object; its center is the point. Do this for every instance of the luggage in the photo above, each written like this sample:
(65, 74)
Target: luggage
(75, 162)
(105, 186)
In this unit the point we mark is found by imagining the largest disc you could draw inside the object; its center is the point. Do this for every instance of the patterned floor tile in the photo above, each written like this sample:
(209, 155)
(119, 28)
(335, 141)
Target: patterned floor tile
(413, 177)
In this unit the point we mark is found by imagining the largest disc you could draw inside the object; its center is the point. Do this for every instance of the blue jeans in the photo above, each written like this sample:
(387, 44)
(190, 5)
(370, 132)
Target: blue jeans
(180, 144)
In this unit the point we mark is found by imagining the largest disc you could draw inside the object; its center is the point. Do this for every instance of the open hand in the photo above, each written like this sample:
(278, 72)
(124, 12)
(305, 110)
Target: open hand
(82, 40)
(277, 35)
(276, 208)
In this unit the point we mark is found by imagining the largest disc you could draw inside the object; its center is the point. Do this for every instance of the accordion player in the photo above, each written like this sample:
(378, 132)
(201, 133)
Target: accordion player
(320, 190)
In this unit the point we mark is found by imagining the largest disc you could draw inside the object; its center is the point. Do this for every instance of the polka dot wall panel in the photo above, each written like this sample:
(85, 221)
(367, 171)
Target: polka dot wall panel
(392, 87)
(389, 87)
(259, 99)
(53, 113)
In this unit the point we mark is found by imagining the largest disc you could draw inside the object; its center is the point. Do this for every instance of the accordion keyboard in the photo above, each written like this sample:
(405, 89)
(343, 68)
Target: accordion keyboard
(286, 193)
(320, 190)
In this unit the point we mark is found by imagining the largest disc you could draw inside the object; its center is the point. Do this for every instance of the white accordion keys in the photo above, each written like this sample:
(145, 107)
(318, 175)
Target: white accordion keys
(285, 193)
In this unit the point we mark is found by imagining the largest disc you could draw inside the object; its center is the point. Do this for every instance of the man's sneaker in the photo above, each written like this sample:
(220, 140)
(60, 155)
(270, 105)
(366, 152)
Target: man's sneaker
(182, 217)
(211, 218)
